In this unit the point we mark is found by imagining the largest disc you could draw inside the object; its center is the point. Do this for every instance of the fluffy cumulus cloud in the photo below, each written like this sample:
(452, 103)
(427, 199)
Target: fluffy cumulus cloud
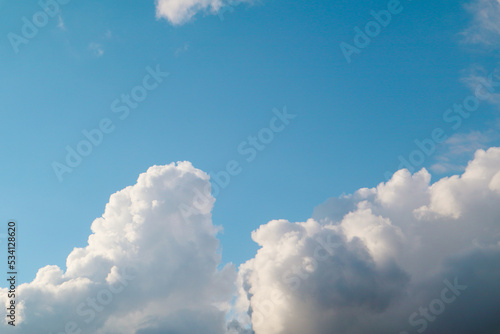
(178, 12)
(147, 268)
(408, 256)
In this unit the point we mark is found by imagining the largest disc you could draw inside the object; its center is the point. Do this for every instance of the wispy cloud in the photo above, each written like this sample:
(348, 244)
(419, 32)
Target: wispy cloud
(485, 26)
(457, 150)
(181, 49)
(178, 12)
(483, 82)
(96, 49)
(60, 23)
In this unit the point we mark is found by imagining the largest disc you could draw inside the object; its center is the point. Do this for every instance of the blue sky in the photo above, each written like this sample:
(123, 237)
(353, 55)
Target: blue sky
(227, 74)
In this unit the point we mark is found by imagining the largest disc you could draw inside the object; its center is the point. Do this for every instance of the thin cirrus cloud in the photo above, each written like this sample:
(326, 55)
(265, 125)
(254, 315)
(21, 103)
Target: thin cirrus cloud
(477, 75)
(460, 147)
(485, 27)
(364, 263)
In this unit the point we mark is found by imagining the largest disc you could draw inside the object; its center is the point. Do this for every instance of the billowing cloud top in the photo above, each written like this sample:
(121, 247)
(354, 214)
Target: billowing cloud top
(406, 256)
(146, 269)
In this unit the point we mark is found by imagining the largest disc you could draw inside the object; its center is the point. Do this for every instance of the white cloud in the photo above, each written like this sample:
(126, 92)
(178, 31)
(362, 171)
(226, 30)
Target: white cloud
(365, 263)
(173, 284)
(485, 27)
(368, 261)
(178, 12)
